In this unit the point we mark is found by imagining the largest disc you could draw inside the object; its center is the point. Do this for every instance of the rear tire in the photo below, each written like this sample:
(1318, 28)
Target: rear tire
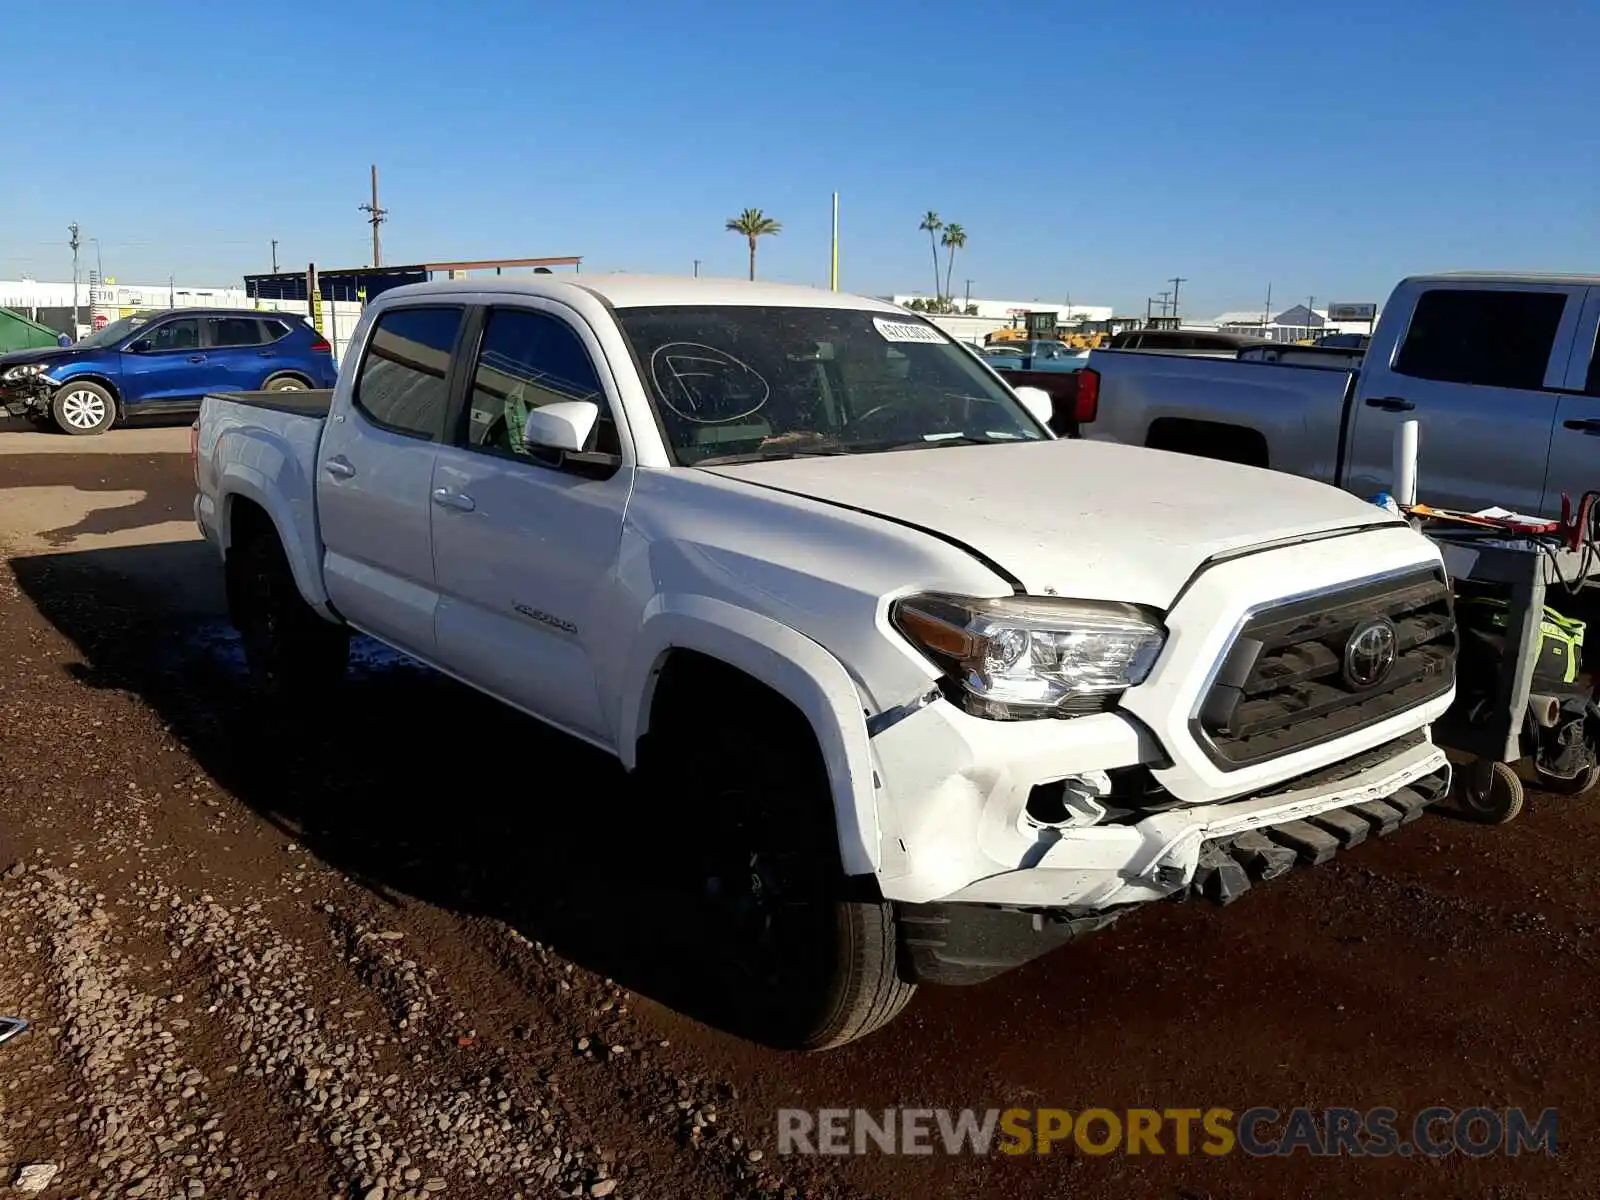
(806, 961)
(83, 409)
(292, 652)
(286, 383)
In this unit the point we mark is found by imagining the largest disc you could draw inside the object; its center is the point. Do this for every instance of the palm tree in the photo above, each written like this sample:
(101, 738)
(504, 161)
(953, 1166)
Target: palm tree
(931, 222)
(955, 238)
(753, 223)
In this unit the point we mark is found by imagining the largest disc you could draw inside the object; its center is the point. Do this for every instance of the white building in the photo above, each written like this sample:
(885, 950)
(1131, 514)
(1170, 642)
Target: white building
(1007, 309)
(1291, 325)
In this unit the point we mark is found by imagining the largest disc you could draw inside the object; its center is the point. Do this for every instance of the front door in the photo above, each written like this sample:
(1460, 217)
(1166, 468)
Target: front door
(1575, 440)
(374, 470)
(169, 370)
(1478, 370)
(525, 542)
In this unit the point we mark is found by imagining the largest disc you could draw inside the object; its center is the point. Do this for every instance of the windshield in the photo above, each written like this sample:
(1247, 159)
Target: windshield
(747, 382)
(112, 333)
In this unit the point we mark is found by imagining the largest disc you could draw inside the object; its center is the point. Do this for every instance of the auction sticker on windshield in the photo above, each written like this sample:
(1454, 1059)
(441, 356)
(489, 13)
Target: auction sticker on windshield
(906, 331)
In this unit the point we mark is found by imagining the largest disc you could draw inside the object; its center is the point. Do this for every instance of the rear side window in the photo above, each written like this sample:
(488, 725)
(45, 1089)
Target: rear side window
(404, 380)
(1488, 338)
(233, 331)
(272, 330)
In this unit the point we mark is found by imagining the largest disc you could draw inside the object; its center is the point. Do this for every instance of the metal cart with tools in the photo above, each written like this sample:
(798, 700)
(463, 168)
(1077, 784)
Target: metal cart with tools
(1508, 720)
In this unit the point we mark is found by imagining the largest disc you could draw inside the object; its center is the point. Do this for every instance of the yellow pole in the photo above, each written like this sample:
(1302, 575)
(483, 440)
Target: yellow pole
(833, 273)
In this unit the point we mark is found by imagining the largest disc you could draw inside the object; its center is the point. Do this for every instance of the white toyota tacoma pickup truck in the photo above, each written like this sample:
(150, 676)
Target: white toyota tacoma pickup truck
(922, 691)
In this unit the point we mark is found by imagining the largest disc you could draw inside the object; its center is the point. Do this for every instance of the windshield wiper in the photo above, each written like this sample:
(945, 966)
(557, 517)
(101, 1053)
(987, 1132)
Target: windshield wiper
(960, 439)
(751, 456)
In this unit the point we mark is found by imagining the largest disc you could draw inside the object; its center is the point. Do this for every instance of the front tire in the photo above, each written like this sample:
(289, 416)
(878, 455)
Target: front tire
(292, 653)
(83, 409)
(805, 960)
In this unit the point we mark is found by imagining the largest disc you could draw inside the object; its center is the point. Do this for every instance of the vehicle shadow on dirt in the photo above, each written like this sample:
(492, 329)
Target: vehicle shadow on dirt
(413, 785)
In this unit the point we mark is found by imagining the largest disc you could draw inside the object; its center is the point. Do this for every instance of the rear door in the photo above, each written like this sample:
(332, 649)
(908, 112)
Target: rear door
(170, 371)
(374, 471)
(234, 350)
(1575, 440)
(1480, 368)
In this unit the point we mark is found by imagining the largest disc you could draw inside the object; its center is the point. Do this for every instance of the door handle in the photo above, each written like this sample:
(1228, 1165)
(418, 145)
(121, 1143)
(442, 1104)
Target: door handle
(339, 468)
(1390, 403)
(445, 498)
(267, 353)
(1592, 427)
(197, 358)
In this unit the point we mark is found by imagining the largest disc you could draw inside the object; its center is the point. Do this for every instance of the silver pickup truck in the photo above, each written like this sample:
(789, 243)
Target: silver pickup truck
(1501, 372)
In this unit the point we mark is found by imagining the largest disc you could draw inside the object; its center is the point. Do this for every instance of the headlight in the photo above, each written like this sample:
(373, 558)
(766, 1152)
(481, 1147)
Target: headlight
(23, 371)
(1032, 656)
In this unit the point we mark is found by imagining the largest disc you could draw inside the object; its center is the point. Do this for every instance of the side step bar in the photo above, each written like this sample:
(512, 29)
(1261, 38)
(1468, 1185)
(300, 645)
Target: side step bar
(1229, 867)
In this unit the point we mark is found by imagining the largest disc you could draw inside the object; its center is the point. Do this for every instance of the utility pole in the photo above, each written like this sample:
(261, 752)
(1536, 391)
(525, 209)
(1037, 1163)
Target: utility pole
(1177, 282)
(1148, 301)
(833, 249)
(274, 256)
(697, 268)
(73, 230)
(1163, 296)
(1311, 313)
(1266, 312)
(967, 303)
(375, 217)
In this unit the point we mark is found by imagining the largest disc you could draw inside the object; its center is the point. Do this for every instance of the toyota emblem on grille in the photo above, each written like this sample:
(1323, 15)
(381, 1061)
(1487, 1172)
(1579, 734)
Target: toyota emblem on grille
(1370, 653)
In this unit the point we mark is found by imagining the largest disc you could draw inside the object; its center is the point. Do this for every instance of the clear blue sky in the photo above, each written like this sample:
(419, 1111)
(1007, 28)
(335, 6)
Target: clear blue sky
(1328, 149)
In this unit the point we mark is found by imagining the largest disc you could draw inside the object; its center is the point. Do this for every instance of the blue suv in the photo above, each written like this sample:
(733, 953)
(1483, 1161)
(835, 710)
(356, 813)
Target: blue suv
(162, 364)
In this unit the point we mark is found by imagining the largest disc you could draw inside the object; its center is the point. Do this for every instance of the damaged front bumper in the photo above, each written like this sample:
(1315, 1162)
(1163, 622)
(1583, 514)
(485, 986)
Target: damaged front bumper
(1080, 880)
(27, 396)
(961, 822)
(1110, 866)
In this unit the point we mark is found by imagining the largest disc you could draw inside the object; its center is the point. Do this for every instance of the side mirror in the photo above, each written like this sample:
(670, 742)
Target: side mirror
(141, 346)
(1037, 401)
(564, 425)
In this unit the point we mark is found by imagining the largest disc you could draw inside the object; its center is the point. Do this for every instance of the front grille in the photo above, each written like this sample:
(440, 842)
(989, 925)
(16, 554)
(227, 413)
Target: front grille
(1287, 681)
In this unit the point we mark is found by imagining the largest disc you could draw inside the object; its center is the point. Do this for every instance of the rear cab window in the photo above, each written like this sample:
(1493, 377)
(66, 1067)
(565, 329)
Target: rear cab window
(404, 382)
(1486, 338)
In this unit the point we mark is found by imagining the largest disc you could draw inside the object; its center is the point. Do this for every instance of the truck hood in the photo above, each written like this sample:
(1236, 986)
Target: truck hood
(1089, 520)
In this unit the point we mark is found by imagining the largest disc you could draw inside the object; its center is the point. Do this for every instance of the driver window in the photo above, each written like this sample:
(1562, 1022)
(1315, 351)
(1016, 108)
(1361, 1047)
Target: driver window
(528, 359)
(176, 335)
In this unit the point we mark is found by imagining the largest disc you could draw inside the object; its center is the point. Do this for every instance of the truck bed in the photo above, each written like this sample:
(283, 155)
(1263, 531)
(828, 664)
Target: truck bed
(312, 402)
(1297, 410)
